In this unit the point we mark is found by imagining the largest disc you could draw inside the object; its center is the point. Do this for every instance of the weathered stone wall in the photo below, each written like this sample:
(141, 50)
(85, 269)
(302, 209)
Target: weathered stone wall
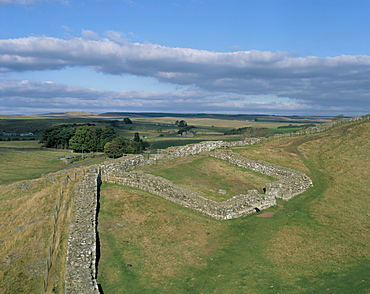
(81, 253)
(123, 164)
(323, 127)
(191, 149)
(291, 182)
(237, 206)
(74, 158)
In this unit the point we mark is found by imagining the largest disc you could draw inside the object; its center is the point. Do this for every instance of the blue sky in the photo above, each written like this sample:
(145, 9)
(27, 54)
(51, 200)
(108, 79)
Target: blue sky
(283, 57)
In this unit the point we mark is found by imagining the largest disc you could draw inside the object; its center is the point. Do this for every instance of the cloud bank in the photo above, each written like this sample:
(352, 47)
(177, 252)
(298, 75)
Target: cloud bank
(221, 80)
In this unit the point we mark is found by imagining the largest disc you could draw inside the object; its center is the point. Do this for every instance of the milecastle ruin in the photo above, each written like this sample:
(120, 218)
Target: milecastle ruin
(81, 262)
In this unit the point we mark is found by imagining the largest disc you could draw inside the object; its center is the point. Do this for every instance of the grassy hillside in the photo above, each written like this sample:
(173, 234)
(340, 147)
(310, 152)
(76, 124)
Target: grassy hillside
(28, 218)
(317, 242)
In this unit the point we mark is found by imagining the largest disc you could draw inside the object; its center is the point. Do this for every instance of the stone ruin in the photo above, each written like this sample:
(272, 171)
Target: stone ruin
(81, 259)
(82, 248)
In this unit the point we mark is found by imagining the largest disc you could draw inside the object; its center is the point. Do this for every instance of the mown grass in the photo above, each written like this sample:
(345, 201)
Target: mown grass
(317, 242)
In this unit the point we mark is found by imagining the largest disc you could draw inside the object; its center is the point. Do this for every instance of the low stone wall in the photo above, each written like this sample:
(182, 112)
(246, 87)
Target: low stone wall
(323, 127)
(74, 158)
(80, 274)
(237, 206)
(123, 164)
(191, 149)
(290, 184)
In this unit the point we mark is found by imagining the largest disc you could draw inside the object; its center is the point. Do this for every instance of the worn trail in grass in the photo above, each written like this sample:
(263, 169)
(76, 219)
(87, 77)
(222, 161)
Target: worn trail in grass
(313, 244)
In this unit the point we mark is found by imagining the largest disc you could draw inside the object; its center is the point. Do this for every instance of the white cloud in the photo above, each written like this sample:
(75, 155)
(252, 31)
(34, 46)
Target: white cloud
(323, 82)
(89, 34)
(40, 97)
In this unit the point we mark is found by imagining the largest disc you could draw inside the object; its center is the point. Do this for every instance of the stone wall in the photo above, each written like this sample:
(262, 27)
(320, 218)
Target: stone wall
(80, 274)
(290, 184)
(191, 149)
(323, 127)
(237, 206)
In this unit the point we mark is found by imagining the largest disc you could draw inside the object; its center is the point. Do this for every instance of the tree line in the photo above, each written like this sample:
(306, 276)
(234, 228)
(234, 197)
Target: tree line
(91, 138)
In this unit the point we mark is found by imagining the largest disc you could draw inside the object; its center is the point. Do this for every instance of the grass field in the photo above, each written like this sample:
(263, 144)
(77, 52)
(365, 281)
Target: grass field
(318, 242)
(206, 175)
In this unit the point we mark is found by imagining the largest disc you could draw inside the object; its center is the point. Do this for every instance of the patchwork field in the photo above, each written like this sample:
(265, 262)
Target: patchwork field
(318, 242)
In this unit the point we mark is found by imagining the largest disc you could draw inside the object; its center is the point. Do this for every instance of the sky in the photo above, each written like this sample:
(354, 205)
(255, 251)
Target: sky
(279, 57)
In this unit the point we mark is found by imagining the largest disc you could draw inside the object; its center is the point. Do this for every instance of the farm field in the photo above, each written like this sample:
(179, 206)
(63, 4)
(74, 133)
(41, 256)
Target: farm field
(158, 129)
(317, 242)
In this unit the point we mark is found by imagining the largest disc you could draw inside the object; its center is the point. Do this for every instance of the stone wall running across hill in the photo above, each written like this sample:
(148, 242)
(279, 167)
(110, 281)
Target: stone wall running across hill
(80, 274)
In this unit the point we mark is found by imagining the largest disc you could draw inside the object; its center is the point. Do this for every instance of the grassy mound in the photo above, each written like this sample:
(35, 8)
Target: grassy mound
(317, 242)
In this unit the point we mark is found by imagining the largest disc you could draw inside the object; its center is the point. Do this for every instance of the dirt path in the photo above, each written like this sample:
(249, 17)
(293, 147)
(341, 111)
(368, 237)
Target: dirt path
(270, 213)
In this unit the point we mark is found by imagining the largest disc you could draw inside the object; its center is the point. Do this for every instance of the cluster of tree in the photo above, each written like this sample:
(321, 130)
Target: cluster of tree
(185, 129)
(249, 132)
(181, 123)
(58, 136)
(91, 138)
(127, 121)
(117, 123)
(120, 146)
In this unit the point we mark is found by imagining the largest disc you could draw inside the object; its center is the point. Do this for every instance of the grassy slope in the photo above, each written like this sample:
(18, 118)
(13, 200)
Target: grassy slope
(27, 208)
(26, 226)
(22, 160)
(318, 242)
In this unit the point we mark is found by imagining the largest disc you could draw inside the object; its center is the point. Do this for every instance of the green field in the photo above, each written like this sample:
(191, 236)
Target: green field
(318, 242)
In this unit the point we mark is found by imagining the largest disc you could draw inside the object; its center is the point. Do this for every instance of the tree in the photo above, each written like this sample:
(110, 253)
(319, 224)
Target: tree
(58, 136)
(113, 149)
(182, 123)
(120, 146)
(80, 142)
(127, 121)
(339, 117)
(91, 138)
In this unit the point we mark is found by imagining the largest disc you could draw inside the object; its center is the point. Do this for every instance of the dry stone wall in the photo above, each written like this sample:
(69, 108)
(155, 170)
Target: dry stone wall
(80, 274)
(323, 127)
(237, 206)
(290, 184)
